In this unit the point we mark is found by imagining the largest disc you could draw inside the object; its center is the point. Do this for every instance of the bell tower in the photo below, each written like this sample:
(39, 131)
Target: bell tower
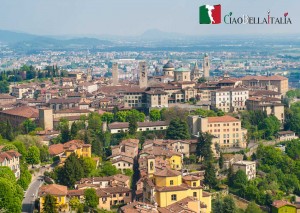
(206, 66)
(151, 166)
(143, 80)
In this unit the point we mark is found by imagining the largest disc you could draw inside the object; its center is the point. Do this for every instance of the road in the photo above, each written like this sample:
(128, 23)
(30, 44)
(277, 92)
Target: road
(28, 201)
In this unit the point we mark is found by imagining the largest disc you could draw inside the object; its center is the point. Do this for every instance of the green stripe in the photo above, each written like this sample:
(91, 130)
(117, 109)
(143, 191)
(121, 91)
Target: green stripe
(203, 15)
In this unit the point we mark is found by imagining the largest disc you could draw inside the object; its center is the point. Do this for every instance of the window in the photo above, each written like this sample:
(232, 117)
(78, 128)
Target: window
(194, 194)
(127, 194)
(194, 184)
(171, 182)
(120, 195)
(174, 197)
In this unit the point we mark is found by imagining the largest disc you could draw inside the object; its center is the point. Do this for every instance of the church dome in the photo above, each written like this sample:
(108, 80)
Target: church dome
(168, 65)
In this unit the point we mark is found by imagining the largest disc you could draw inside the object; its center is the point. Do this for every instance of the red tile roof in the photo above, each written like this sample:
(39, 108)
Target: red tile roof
(53, 189)
(280, 203)
(167, 173)
(24, 111)
(221, 119)
(8, 155)
(56, 149)
(264, 78)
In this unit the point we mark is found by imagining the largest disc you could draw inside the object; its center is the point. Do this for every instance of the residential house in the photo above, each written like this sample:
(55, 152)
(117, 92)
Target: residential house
(11, 159)
(279, 206)
(286, 136)
(167, 187)
(118, 127)
(74, 146)
(249, 167)
(59, 192)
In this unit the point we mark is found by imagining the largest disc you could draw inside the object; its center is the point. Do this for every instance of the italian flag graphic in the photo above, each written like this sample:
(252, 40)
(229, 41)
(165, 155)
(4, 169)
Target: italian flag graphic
(210, 14)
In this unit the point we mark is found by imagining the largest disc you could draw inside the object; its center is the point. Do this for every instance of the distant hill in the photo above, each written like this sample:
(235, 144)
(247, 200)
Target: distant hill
(12, 37)
(24, 41)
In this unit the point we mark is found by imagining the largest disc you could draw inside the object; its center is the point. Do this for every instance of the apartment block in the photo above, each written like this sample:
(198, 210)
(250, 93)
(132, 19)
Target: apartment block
(227, 130)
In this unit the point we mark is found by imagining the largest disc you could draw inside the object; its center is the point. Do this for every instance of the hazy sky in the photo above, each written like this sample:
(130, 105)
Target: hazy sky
(133, 17)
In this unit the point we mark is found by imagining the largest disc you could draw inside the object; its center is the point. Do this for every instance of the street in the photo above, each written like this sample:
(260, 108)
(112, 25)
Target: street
(28, 201)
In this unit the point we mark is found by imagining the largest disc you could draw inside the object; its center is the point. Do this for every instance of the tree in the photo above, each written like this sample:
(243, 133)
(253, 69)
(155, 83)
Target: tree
(25, 178)
(229, 205)
(5, 172)
(4, 87)
(74, 203)
(8, 147)
(221, 161)
(240, 179)
(177, 129)
(132, 124)
(107, 117)
(97, 145)
(253, 208)
(94, 122)
(89, 165)
(20, 147)
(154, 115)
(9, 135)
(128, 172)
(210, 178)
(71, 172)
(271, 125)
(64, 130)
(204, 144)
(28, 126)
(74, 130)
(50, 204)
(91, 198)
(217, 206)
(10, 196)
(44, 154)
(33, 155)
(107, 169)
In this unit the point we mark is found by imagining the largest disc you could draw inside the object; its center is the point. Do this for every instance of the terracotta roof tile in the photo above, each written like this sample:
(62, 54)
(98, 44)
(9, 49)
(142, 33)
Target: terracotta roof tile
(225, 118)
(56, 149)
(167, 173)
(53, 189)
(24, 111)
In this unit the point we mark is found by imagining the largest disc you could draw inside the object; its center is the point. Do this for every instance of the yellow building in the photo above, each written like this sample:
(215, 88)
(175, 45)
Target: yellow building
(78, 147)
(172, 158)
(59, 192)
(167, 187)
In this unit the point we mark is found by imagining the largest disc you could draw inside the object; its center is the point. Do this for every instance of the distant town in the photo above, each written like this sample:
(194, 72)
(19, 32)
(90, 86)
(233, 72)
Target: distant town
(149, 131)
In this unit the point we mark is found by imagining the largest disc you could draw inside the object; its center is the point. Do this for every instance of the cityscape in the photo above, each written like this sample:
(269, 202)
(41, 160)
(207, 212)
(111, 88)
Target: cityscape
(152, 119)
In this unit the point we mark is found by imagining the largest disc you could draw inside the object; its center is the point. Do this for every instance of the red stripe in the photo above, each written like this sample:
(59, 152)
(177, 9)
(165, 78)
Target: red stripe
(216, 14)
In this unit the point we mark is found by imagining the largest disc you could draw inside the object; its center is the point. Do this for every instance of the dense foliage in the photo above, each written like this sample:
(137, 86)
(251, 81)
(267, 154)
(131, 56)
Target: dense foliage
(178, 129)
(11, 193)
(259, 125)
(280, 175)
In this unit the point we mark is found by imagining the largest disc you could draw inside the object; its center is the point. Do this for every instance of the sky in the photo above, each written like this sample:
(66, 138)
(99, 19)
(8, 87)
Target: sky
(134, 17)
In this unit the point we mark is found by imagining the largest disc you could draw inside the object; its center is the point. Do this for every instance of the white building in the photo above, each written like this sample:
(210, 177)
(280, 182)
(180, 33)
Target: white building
(249, 167)
(11, 159)
(229, 99)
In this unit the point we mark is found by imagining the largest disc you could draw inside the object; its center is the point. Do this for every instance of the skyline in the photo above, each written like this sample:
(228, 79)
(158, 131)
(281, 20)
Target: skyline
(133, 17)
